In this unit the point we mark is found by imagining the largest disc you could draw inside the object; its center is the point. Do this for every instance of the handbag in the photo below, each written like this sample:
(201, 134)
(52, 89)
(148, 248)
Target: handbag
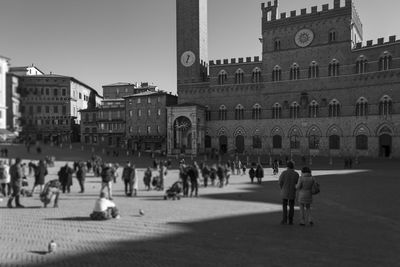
(315, 189)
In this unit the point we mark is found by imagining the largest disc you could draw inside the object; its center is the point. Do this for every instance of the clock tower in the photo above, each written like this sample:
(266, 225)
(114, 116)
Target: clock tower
(192, 42)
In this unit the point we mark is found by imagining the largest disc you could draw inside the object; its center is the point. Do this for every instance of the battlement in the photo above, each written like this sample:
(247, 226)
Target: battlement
(239, 60)
(380, 41)
(270, 11)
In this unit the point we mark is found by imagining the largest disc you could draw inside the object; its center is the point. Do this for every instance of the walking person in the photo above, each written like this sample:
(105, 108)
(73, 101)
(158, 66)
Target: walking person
(81, 175)
(220, 174)
(287, 183)
(259, 173)
(147, 178)
(16, 184)
(135, 181)
(107, 177)
(205, 172)
(305, 198)
(193, 174)
(227, 174)
(183, 175)
(127, 178)
(40, 174)
(252, 174)
(65, 178)
(5, 179)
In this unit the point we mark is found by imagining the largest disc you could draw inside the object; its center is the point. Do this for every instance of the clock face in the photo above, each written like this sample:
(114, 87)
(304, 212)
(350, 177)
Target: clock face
(188, 58)
(304, 37)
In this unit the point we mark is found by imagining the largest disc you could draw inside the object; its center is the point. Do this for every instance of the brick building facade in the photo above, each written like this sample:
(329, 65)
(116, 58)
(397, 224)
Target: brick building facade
(317, 90)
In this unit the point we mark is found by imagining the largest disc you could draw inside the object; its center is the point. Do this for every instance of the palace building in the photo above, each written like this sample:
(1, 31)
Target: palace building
(317, 88)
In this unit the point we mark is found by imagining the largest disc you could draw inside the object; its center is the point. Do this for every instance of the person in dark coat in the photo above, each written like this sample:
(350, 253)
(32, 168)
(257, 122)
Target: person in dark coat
(193, 174)
(40, 173)
(252, 174)
(221, 175)
(287, 183)
(81, 175)
(107, 177)
(147, 178)
(205, 172)
(65, 177)
(127, 177)
(213, 174)
(183, 175)
(16, 183)
(259, 173)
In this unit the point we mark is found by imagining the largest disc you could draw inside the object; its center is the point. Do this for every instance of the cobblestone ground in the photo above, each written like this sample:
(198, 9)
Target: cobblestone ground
(356, 216)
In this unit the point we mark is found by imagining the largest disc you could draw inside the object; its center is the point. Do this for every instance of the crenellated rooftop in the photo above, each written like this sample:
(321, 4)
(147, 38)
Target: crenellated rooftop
(380, 41)
(239, 60)
(270, 10)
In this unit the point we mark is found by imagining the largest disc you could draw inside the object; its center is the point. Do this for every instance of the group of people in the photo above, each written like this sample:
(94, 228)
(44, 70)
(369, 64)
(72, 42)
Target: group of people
(303, 187)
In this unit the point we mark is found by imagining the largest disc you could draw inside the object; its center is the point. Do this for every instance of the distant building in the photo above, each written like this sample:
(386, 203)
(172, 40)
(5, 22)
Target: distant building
(13, 103)
(118, 90)
(146, 120)
(26, 71)
(3, 107)
(50, 106)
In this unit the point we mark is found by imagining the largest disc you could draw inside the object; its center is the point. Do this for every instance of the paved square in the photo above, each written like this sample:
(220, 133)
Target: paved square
(356, 215)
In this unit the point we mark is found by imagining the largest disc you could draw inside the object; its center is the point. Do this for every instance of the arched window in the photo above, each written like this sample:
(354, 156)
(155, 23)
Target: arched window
(222, 113)
(256, 76)
(256, 114)
(276, 111)
(277, 44)
(362, 142)
(334, 109)
(362, 107)
(208, 113)
(276, 74)
(222, 77)
(313, 109)
(361, 65)
(277, 142)
(313, 70)
(385, 61)
(333, 69)
(385, 106)
(207, 141)
(334, 142)
(313, 141)
(239, 76)
(294, 141)
(294, 110)
(257, 143)
(294, 72)
(333, 36)
(239, 112)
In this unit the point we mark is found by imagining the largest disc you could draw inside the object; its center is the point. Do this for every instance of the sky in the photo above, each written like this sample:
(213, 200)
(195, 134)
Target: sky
(101, 42)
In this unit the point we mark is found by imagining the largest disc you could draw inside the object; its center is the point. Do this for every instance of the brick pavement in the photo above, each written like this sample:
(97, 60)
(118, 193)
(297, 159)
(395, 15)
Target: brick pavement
(233, 226)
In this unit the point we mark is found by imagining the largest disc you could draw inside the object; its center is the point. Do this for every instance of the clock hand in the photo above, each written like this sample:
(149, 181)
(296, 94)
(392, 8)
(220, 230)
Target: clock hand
(187, 59)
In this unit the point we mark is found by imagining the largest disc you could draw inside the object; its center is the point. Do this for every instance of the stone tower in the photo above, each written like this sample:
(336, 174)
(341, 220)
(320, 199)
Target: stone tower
(192, 43)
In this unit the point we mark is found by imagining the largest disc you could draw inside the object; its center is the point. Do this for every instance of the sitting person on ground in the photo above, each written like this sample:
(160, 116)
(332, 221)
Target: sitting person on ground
(104, 209)
(52, 189)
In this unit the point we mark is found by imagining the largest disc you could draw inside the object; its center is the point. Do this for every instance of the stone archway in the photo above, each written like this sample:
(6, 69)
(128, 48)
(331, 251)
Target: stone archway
(239, 141)
(182, 134)
(223, 144)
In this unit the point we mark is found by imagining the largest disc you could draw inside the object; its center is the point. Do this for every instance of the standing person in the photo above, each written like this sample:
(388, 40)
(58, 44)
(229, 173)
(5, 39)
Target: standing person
(227, 173)
(5, 179)
(205, 172)
(115, 171)
(40, 174)
(65, 177)
(244, 167)
(147, 178)
(183, 174)
(220, 174)
(127, 177)
(259, 173)
(238, 167)
(252, 174)
(163, 173)
(107, 176)
(304, 186)
(81, 175)
(135, 181)
(287, 183)
(16, 183)
(193, 174)
(213, 174)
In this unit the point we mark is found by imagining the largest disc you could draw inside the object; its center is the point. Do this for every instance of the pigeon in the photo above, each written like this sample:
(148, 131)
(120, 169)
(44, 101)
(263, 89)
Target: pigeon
(141, 212)
(52, 246)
